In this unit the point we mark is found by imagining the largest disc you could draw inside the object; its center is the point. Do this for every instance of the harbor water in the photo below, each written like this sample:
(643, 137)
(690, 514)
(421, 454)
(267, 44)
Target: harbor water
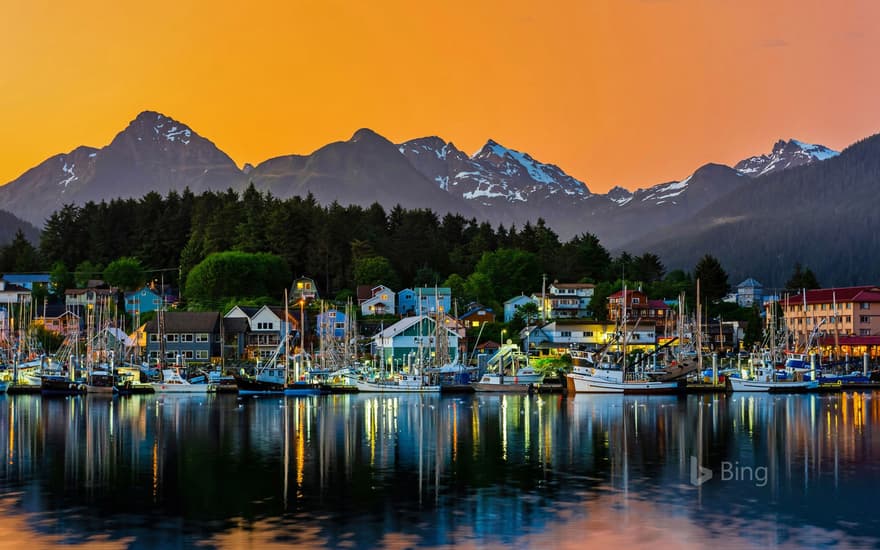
(471, 471)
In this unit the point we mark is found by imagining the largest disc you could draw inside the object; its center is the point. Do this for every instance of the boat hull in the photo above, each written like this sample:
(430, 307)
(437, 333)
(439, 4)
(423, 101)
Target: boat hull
(738, 384)
(591, 384)
(160, 387)
(60, 385)
(249, 386)
(379, 387)
(502, 388)
(4, 385)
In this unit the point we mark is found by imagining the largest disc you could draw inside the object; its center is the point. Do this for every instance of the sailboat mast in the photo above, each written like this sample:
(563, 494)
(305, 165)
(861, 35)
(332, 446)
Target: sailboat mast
(699, 332)
(286, 340)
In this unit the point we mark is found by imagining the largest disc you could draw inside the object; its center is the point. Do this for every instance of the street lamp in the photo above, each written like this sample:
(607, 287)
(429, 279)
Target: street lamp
(503, 331)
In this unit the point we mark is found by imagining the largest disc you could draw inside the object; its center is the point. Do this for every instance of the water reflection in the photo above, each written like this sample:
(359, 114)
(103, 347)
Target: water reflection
(368, 471)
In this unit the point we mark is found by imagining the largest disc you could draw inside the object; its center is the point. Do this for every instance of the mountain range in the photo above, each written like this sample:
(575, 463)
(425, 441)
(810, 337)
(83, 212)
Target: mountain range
(681, 219)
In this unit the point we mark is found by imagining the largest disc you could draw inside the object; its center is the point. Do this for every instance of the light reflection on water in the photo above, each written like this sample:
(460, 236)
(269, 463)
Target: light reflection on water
(368, 471)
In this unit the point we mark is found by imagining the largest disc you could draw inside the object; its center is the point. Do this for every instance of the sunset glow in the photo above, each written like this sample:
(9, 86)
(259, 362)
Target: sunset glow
(627, 93)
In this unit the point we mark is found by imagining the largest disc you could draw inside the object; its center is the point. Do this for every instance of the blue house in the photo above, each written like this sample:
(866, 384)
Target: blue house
(510, 306)
(142, 301)
(331, 323)
(190, 337)
(424, 300)
(749, 293)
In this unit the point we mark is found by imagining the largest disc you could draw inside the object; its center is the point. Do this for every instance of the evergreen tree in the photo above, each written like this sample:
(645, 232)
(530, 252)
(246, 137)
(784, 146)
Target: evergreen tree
(713, 278)
(801, 279)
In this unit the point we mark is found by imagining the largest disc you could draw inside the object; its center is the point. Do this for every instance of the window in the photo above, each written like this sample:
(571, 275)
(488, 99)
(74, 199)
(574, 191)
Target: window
(154, 337)
(384, 296)
(202, 337)
(588, 334)
(169, 355)
(186, 337)
(475, 324)
(188, 354)
(635, 300)
(154, 355)
(565, 334)
(171, 338)
(864, 332)
(864, 318)
(864, 305)
(202, 354)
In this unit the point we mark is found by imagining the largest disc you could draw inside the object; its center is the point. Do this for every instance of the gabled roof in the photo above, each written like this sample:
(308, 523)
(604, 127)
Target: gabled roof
(830, 295)
(12, 287)
(750, 283)
(658, 304)
(476, 310)
(401, 326)
(187, 321)
(54, 311)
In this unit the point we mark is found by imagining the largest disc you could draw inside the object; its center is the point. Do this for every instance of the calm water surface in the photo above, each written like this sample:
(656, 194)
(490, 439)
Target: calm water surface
(362, 471)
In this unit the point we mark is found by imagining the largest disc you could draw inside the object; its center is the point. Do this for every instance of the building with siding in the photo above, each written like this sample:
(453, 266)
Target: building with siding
(189, 336)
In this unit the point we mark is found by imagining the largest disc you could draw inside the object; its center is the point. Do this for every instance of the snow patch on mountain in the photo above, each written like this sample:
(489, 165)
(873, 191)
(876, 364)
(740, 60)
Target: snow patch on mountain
(667, 190)
(785, 154)
(71, 176)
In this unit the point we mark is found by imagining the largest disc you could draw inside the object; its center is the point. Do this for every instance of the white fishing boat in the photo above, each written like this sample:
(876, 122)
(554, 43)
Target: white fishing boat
(762, 376)
(406, 383)
(607, 376)
(173, 382)
(606, 379)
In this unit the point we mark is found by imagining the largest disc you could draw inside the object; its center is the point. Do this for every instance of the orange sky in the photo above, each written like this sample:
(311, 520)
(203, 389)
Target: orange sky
(616, 92)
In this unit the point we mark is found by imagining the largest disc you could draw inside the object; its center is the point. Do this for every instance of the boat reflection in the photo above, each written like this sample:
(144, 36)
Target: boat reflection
(404, 470)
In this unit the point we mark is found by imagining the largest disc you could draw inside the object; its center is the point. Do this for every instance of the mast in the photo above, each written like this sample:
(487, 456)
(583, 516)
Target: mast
(806, 334)
(836, 333)
(286, 342)
(699, 332)
(623, 340)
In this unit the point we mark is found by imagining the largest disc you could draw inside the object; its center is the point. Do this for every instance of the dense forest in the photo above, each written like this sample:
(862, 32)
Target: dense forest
(340, 247)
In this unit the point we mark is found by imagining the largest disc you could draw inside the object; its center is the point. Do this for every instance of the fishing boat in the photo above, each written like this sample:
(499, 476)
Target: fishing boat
(609, 375)
(521, 376)
(407, 383)
(763, 376)
(267, 379)
(101, 381)
(173, 382)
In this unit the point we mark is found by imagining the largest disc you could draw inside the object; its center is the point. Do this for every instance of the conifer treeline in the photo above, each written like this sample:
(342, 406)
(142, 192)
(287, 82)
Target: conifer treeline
(323, 242)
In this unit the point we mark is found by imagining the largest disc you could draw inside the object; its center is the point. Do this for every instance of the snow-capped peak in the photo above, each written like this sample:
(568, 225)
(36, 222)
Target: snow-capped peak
(785, 154)
(666, 191)
(619, 195)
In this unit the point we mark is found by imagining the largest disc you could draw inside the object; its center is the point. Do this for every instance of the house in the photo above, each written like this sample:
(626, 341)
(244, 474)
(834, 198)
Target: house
(189, 337)
(28, 280)
(411, 341)
(569, 300)
(511, 305)
(11, 297)
(331, 323)
(424, 300)
(749, 293)
(142, 301)
(267, 326)
(839, 320)
(476, 315)
(561, 335)
(378, 300)
(58, 319)
(81, 298)
(303, 288)
(638, 306)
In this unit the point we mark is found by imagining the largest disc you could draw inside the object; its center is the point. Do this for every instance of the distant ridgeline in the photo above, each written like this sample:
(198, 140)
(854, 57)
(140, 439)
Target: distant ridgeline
(799, 203)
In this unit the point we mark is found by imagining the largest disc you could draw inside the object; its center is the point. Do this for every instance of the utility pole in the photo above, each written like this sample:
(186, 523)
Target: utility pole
(543, 298)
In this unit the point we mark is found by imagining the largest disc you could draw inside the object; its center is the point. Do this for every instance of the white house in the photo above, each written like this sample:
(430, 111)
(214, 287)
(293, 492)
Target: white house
(380, 302)
(266, 328)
